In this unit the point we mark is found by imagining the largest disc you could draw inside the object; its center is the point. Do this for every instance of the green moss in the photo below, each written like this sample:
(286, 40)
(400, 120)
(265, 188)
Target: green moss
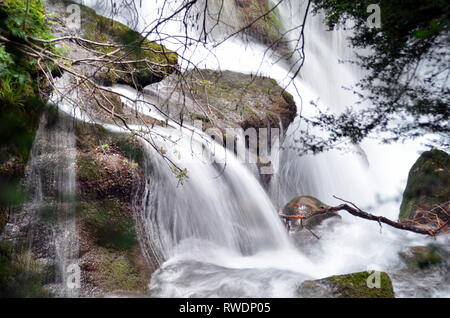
(129, 148)
(20, 275)
(422, 257)
(288, 98)
(20, 79)
(265, 25)
(201, 117)
(348, 286)
(107, 224)
(119, 272)
(428, 182)
(88, 168)
(101, 29)
(355, 286)
(12, 195)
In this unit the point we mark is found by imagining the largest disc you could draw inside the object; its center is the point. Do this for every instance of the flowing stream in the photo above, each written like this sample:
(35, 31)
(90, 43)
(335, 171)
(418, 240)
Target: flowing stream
(218, 234)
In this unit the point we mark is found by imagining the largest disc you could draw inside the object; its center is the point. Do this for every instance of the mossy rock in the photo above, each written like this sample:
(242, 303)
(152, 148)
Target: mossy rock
(240, 100)
(159, 61)
(422, 257)
(264, 26)
(120, 271)
(304, 205)
(347, 286)
(107, 223)
(88, 168)
(20, 275)
(428, 184)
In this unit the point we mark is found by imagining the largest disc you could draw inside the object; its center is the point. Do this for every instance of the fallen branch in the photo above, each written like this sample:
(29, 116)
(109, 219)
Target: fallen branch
(354, 210)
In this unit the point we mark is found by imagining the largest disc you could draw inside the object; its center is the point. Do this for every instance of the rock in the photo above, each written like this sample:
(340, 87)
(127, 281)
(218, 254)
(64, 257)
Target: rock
(268, 29)
(428, 188)
(304, 205)
(347, 286)
(232, 100)
(422, 257)
(110, 175)
(97, 28)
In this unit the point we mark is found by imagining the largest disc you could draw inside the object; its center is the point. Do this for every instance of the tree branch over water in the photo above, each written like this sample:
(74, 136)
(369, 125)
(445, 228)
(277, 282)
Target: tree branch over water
(440, 228)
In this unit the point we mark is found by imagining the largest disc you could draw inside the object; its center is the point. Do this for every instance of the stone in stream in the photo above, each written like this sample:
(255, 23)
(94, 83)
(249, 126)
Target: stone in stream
(304, 205)
(427, 193)
(356, 285)
(423, 257)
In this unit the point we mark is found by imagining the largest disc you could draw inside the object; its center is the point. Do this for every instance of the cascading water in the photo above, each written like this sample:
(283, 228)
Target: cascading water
(218, 234)
(48, 220)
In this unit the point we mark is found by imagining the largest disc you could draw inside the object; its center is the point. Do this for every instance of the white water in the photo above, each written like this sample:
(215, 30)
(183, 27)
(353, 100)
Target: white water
(218, 234)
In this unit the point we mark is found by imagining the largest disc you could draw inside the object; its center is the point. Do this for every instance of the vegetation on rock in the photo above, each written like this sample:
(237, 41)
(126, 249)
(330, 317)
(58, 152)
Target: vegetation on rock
(240, 100)
(422, 257)
(20, 275)
(428, 186)
(23, 89)
(347, 286)
(111, 256)
(264, 23)
(155, 61)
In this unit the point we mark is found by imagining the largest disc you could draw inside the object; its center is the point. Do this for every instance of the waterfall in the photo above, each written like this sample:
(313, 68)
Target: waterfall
(48, 221)
(218, 233)
(53, 176)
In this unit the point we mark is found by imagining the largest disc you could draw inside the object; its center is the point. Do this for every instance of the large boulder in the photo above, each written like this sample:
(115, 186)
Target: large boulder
(427, 192)
(354, 285)
(226, 99)
(305, 205)
(155, 61)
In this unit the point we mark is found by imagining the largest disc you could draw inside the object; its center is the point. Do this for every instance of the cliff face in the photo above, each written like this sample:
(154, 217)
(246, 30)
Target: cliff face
(109, 179)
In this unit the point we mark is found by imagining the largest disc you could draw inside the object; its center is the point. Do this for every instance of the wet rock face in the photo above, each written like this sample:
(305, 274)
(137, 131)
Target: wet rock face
(354, 285)
(427, 192)
(304, 206)
(109, 177)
